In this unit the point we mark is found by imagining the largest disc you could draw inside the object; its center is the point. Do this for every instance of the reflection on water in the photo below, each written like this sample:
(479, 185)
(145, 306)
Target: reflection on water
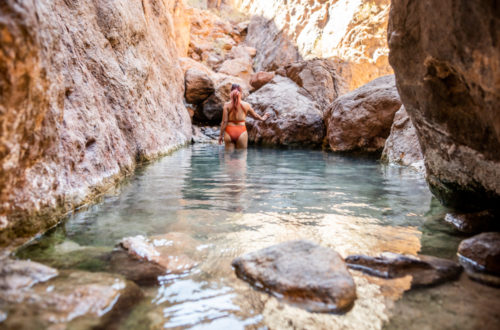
(230, 203)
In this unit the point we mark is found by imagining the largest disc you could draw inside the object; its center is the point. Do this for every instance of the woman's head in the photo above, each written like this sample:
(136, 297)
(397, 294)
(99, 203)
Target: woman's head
(235, 96)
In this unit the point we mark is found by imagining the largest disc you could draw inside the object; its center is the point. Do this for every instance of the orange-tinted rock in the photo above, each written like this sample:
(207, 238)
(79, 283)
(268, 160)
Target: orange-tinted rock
(446, 56)
(361, 120)
(239, 67)
(199, 86)
(261, 78)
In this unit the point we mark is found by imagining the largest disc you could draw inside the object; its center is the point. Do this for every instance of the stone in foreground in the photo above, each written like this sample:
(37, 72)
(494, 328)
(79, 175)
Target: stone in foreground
(22, 274)
(474, 222)
(480, 256)
(303, 273)
(425, 270)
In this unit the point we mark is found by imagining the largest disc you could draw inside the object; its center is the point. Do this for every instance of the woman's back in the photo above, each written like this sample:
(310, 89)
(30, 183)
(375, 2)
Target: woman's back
(238, 114)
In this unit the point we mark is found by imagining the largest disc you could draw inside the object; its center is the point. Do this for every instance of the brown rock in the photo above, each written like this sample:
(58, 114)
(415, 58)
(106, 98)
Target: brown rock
(402, 146)
(361, 120)
(480, 257)
(450, 88)
(303, 273)
(242, 51)
(295, 120)
(22, 274)
(319, 78)
(261, 78)
(238, 67)
(86, 91)
(199, 86)
(473, 223)
(424, 270)
(188, 63)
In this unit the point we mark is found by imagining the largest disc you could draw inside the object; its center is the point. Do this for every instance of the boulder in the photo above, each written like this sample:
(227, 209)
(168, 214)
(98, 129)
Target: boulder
(205, 134)
(295, 120)
(474, 222)
(319, 78)
(142, 259)
(424, 270)
(242, 51)
(402, 146)
(199, 86)
(260, 78)
(361, 120)
(239, 67)
(450, 88)
(23, 274)
(188, 63)
(480, 257)
(302, 273)
(74, 299)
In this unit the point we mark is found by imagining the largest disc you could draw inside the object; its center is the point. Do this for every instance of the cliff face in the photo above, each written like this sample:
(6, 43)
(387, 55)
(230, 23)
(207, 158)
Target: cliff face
(446, 56)
(87, 88)
(352, 32)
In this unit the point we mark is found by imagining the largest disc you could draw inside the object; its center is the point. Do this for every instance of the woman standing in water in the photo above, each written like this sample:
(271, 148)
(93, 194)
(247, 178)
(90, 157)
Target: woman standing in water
(234, 113)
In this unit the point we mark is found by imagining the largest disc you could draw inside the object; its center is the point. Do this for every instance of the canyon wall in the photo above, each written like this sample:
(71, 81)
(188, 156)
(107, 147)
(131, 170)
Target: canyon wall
(351, 32)
(446, 57)
(87, 89)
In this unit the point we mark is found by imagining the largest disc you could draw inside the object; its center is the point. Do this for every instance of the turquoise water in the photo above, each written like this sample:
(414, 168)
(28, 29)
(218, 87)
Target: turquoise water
(223, 204)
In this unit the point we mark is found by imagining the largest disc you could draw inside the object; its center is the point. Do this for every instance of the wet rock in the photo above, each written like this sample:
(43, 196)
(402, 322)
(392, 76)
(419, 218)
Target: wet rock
(449, 85)
(402, 146)
(473, 223)
(424, 270)
(74, 299)
(96, 92)
(22, 274)
(303, 273)
(319, 78)
(199, 86)
(261, 78)
(205, 134)
(480, 257)
(361, 120)
(295, 120)
(239, 67)
(142, 259)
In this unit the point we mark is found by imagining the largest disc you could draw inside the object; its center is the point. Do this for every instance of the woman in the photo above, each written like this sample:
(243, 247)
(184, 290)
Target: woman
(233, 127)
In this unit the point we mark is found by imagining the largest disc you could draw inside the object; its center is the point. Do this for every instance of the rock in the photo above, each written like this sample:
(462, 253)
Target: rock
(353, 34)
(199, 86)
(361, 120)
(260, 78)
(188, 63)
(473, 223)
(303, 273)
(319, 78)
(242, 51)
(424, 270)
(22, 274)
(449, 86)
(86, 91)
(480, 257)
(142, 260)
(205, 134)
(212, 60)
(238, 67)
(402, 146)
(242, 27)
(211, 110)
(71, 300)
(295, 120)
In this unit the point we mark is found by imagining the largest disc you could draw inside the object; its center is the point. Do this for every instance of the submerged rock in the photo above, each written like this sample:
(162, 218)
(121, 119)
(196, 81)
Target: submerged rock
(261, 78)
(295, 120)
(303, 273)
(142, 259)
(473, 223)
(199, 86)
(424, 270)
(450, 87)
(361, 120)
(480, 257)
(402, 146)
(22, 274)
(71, 300)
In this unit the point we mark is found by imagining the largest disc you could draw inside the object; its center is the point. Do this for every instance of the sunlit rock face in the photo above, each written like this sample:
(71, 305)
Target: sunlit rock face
(86, 89)
(446, 56)
(352, 32)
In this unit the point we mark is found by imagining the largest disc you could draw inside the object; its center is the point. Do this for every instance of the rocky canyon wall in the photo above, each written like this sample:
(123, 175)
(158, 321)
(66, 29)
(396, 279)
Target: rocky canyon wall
(87, 88)
(446, 57)
(351, 32)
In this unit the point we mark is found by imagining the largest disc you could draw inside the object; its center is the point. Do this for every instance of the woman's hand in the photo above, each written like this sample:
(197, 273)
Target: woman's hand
(266, 115)
(220, 139)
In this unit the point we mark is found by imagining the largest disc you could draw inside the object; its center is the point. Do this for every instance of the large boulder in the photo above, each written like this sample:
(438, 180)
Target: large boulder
(473, 222)
(301, 272)
(261, 78)
(239, 67)
(295, 120)
(199, 86)
(446, 57)
(480, 256)
(361, 120)
(319, 78)
(402, 146)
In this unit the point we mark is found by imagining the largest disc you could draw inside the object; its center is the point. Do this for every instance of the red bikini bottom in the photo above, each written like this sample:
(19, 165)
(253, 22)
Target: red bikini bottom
(235, 132)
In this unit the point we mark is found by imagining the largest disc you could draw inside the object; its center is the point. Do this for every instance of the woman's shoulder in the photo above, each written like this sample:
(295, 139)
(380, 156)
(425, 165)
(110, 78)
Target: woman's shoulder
(246, 105)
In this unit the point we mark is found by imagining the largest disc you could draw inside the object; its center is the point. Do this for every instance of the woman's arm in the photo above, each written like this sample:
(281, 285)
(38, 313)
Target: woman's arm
(223, 124)
(254, 114)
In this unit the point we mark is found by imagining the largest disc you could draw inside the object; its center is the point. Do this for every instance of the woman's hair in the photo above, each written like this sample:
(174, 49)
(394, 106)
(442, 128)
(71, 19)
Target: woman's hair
(235, 97)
